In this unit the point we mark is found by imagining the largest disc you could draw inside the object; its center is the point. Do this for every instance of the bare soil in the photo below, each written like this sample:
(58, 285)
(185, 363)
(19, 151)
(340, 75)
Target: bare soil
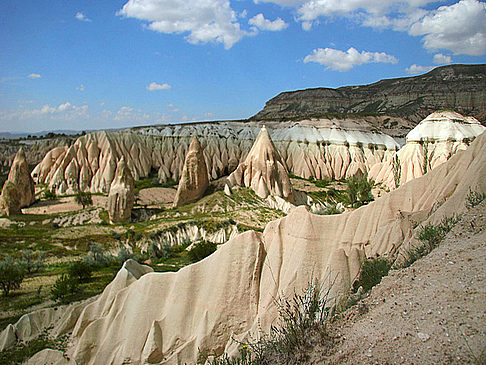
(433, 312)
(62, 205)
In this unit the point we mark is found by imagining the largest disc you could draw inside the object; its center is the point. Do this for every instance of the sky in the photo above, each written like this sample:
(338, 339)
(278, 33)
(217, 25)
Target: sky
(91, 64)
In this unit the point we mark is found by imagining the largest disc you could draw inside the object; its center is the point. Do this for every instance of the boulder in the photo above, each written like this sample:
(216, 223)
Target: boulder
(194, 179)
(122, 194)
(264, 170)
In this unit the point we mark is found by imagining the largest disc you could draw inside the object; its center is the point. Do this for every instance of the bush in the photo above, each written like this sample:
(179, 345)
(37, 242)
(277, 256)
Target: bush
(123, 255)
(83, 198)
(49, 194)
(11, 275)
(201, 250)
(358, 191)
(31, 263)
(64, 287)
(431, 235)
(371, 273)
(80, 270)
(97, 257)
(323, 183)
(474, 198)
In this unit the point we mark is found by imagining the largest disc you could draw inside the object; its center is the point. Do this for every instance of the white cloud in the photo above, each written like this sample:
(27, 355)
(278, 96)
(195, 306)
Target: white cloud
(80, 87)
(440, 59)
(82, 17)
(154, 86)
(34, 76)
(416, 69)
(204, 21)
(338, 60)
(460, 28)
(64, 107)
(264, 24)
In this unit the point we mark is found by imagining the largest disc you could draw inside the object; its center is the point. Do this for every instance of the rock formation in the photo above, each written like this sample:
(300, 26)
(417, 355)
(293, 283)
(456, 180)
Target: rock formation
(264, 171)
(122, 194)
(457, 87)
(309, 148)
(194, 179)
(432, 142)
(231, 294)
(10, 199)
(18, 191)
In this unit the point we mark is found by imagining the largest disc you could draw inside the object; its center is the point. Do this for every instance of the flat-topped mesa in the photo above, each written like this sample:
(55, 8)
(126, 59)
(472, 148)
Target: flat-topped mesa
(18, 192)
(432, 142)
(264, 170)
(194, 179)
(122, 194)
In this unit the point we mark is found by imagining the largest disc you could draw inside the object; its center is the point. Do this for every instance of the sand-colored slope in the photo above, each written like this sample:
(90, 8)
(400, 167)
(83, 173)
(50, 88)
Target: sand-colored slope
(167, 317)
(431, 143)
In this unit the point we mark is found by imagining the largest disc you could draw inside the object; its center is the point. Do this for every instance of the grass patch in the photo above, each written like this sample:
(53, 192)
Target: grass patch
(474, 198)
(371, 273)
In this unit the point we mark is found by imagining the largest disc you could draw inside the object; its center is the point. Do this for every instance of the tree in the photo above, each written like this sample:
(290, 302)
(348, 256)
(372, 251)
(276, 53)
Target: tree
(84, 198)
(11, 275)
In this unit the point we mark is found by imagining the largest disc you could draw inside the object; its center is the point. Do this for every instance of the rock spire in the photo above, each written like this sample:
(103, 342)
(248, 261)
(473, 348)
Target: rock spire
(122, 194)
(264, 170)
(194, 179)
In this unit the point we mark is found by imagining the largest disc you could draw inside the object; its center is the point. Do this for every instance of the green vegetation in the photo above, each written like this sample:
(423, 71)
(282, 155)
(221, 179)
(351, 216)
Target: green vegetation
(64, 288)
(200, 250)
(397, 171)
(358, 191)
(11, 275)
(372, 271)
(49, 194)
(83, 198)
(474, 198)
(302, 324)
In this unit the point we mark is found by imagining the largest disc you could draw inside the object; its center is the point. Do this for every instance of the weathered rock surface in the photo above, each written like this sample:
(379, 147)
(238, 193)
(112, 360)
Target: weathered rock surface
(432, 142)
(122, 194)
(309, 148)
(10, 200)
(20, 176)
(457, 87)
(263, 170)
(194, 179)
(231, 294)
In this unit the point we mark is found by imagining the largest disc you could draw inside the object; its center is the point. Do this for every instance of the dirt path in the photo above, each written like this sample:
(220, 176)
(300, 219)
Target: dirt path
(433, 312)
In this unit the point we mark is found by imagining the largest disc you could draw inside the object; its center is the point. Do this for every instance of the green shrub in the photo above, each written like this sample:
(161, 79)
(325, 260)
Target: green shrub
(83, 198)
(372, 271)
(431, 235)
(30, 262)
(49, 194)
(358, 191)
(323, 183)
(11, 275)
(474, 198)
(64, 287)
(80, 270)
(124, 255)
(201, 250)
(96, 256)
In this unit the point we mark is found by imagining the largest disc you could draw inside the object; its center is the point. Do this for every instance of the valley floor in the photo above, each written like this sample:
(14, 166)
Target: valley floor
(433, 312)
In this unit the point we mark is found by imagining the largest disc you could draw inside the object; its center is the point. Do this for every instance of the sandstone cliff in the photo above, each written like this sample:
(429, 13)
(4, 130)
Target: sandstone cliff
(310, 148)
(432, 142)
(232, 293)
(458, 87)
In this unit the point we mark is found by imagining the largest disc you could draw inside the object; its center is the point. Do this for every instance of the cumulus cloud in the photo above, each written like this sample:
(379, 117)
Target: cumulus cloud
(416, 69)
(153, 86)
(440, 59)
(34, 76)
(338, 60)
(202, 21)
(82, 17)
(261, 23)
(460, 27)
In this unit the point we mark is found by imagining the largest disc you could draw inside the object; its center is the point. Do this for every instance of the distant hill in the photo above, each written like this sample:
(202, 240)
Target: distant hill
(458, 87)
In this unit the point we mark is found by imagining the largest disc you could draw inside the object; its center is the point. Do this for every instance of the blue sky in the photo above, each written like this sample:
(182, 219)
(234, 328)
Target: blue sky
(94, 64)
